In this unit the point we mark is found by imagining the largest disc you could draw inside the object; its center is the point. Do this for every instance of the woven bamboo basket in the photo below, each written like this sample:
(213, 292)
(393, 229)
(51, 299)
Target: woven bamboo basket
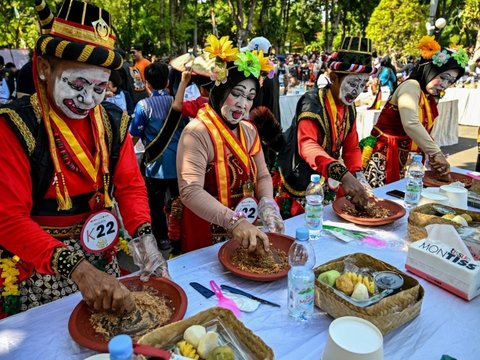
(170, 334)
(387, 314)
(424, 215)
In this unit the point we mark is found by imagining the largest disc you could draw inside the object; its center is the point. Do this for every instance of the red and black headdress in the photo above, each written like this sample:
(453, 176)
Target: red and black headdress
(80, 32)
(353, 57)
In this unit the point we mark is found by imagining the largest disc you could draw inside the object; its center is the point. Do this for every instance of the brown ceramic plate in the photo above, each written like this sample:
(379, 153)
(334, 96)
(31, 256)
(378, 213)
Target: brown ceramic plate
(429, 180)
(82, 331)
(396, 211)
(277, 241)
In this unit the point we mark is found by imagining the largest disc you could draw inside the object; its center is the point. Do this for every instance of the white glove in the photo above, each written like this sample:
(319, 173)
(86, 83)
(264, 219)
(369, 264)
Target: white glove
(147, 257)
(269, 214)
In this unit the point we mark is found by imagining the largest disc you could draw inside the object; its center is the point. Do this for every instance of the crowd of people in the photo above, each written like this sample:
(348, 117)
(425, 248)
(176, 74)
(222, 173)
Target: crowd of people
(215, 164)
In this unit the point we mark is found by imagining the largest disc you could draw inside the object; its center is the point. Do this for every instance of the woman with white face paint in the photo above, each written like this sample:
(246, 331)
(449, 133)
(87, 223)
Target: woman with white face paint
(324, 131)
(408, 117)
(222, 172)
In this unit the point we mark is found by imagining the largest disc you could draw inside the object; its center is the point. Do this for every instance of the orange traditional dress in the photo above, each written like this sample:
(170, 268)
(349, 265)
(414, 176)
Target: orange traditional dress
(393, 145)
(225, 179)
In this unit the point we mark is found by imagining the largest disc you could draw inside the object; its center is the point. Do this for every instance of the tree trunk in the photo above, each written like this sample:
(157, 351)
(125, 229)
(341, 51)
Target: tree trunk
(334, 27)
(173, 44)
(250, 18)
(287, 20)
(326, 26)
(195, 30)
(261, 16)
(212, 18)
(163, 35)
(238, 16)
(129, 33)
(476, 53)
(181, 5)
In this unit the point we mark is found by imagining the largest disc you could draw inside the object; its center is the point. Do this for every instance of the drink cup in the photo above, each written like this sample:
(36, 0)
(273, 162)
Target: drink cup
(457, 196)
(353, 338)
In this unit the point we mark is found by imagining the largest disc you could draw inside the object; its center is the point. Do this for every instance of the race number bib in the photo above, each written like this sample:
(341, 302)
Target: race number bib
(100, 232)
(249, 206)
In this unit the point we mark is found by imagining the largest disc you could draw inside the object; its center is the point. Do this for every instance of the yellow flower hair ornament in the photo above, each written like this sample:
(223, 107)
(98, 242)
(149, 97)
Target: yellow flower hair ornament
(266, 65)
(249, 62)
(222, 49)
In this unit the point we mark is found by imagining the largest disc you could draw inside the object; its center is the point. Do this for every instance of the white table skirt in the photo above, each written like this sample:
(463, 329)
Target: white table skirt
(288, 104)
(445, 130)
(446, 324)
(468, 104)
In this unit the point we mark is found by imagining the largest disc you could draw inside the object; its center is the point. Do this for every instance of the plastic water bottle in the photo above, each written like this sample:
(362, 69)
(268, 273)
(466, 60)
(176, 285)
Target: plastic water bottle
(120, 347)
(301, 279)
(415, 175)
(314, 207)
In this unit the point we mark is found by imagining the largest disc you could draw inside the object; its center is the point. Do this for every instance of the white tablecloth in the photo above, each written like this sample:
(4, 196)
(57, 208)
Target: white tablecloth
(468, 104)
(446, 324)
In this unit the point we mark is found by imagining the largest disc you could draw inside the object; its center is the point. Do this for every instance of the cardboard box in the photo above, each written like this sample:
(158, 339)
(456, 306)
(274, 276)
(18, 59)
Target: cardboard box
(445, 266)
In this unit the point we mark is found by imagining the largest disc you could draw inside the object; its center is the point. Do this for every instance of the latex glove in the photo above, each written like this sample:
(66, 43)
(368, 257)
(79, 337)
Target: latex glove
(147, 257)
(354, 191)
(269, 214)
(360, 176)
(250, 237)
(102, 292)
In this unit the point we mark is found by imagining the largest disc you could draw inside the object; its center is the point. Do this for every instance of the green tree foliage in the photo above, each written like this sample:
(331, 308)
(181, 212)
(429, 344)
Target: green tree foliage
(397, 25)
(18, 24)
(166, 27)
(471, 16)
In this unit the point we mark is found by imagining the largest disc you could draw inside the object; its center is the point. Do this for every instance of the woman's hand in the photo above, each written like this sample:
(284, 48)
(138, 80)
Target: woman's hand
(354, 191)
(250, 237)
(102, 292)
(439, 164)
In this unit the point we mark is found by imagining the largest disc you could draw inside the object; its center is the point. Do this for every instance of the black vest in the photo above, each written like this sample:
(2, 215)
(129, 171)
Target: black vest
(22, 118)
(294, 170)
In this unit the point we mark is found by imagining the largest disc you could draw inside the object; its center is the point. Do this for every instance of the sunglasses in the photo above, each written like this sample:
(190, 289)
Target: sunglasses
(132, 52)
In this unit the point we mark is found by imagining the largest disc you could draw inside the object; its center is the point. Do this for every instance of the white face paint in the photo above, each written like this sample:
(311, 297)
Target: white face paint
(239, 102)
(77, 88)
(441, 82)
(352, 86)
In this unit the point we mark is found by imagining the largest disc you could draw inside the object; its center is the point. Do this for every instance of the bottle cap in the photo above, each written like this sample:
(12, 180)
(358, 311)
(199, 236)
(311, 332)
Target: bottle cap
(315, 178)
(121, 347)
(302, 234)
(417, 157)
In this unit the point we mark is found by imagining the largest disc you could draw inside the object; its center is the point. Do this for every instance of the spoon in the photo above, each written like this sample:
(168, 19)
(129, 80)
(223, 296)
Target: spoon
(223, 301)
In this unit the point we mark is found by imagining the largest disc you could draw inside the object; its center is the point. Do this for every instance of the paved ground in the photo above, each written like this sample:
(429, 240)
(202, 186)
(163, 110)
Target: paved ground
(464, 154)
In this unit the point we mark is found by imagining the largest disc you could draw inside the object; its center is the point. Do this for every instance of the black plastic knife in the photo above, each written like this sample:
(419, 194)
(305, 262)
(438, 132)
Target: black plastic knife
(202, 289)
(250, 296)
